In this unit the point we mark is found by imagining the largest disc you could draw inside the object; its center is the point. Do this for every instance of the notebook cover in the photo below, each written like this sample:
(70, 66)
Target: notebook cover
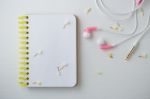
(52, 51)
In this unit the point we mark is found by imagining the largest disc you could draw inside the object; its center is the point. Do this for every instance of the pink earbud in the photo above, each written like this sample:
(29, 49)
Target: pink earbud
(138, 2)
(103, 44)
(88, 30)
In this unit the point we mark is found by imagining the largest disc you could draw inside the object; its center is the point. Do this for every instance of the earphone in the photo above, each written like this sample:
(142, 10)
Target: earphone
(88, 30)
(102, 43)
(108, 12)
(137, 4)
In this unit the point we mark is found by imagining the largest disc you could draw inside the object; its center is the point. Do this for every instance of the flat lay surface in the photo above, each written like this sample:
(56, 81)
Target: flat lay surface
(102, 74)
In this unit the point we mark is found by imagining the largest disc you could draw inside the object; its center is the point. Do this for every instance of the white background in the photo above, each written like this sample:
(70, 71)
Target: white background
(119, 79)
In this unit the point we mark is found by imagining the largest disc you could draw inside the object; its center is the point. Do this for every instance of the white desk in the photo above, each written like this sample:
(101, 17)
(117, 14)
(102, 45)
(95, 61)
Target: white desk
(120, 80)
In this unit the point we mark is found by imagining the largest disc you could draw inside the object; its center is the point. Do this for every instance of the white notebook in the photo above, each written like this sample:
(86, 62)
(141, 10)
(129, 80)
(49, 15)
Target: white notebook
(47, 50)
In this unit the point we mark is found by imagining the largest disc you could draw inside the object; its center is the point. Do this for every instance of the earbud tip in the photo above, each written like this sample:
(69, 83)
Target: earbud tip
(105, 46)
(101, 41)
(86, 35)
(138, 2)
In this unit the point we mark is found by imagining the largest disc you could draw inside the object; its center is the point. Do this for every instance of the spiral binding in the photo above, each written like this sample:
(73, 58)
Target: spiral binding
(23, 51)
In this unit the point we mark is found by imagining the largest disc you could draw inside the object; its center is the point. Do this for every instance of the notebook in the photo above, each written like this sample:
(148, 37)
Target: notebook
(47, 50)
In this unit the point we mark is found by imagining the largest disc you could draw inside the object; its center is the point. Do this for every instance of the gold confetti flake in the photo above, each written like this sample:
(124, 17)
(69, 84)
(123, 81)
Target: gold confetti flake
(99, 71)
(61, 67)
(116, 27)
(66, 23)
(141, 11)
(88, 10)
(39, 52)
(143, 55)
(110, 55)
(34, 82)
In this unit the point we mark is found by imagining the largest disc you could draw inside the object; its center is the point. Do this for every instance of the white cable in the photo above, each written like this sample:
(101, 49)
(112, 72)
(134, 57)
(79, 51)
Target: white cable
(101, 6)
(108, 13)
(124, 13)
(111, 15)
(133, 32)
(142, 33)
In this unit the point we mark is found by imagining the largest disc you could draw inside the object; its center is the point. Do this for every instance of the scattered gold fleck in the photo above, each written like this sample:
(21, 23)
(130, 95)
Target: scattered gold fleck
(141, 11)
(61, 67)
(116, 27)
(39, 52)
(143, 55)
(88, 10)
(34, 82)
(39, 83)
(110, 55)
(66, 23)
(100, 73)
